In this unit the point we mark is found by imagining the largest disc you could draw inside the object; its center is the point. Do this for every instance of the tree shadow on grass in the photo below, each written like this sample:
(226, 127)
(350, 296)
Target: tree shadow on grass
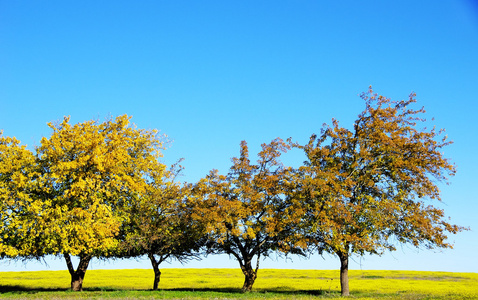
(26, 290)
(284, 291)
(18, 289)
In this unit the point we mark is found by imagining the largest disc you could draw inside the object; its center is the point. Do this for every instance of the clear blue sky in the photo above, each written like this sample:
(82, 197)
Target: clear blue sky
(212, 73)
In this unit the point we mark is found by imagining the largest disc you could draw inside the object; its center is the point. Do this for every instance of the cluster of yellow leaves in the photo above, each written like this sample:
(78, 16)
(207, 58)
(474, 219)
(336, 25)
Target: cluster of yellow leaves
(16, 173)
(93, 169)
(70, 197)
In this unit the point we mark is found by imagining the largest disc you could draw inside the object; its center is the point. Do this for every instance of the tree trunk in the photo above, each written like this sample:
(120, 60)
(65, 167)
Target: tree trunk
(157, 272)
(250, 276)
(344, 274)
(77, 275)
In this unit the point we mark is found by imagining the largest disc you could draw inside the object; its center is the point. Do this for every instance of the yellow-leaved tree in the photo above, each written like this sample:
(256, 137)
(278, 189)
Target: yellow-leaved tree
(88, 173)
(247, 212)
(367, 188)
(17, 202)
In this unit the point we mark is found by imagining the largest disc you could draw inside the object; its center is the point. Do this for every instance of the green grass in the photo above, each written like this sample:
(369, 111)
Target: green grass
(226, 284)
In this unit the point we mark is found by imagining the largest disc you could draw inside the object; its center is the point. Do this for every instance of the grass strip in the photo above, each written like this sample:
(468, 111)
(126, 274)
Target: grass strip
(226, 283)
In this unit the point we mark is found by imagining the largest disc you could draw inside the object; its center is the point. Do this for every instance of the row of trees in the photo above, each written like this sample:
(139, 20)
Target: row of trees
(100, 190)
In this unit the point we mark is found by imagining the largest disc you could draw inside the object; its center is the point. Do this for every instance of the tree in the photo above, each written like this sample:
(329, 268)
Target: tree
(17, 171)
(367, 187)
(88, 172)
(246, 211)
(160, 224)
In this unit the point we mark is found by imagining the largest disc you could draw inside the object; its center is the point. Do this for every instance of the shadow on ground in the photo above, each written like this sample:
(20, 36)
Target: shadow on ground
(29, 290)
(18, 289)
(258, 291)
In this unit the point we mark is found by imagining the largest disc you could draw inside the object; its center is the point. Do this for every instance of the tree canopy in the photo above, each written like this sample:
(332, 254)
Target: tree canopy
(367, 188)
(17, 173)
(246, 210)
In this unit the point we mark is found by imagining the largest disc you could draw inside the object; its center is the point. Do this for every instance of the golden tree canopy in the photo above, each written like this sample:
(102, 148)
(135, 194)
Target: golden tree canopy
(88, 172)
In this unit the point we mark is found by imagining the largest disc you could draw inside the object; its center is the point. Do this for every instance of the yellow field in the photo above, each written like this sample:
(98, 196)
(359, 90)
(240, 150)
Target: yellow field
(363, 284)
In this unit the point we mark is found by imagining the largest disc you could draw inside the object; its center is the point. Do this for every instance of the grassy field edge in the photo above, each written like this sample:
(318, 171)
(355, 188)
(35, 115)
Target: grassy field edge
(190, 283)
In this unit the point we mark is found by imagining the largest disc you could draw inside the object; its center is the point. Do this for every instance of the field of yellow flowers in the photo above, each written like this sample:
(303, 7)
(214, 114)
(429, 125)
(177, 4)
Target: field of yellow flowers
(226, 284)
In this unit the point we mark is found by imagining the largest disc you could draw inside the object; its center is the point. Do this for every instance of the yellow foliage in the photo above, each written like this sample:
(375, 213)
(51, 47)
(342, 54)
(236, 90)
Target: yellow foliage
(67, 198)
(16, 174)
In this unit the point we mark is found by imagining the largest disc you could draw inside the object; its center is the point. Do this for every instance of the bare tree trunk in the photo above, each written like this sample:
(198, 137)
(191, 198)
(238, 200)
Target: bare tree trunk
(157, 272)
(78, 275)
(344, 274)
(250, 275)
(249, 278)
